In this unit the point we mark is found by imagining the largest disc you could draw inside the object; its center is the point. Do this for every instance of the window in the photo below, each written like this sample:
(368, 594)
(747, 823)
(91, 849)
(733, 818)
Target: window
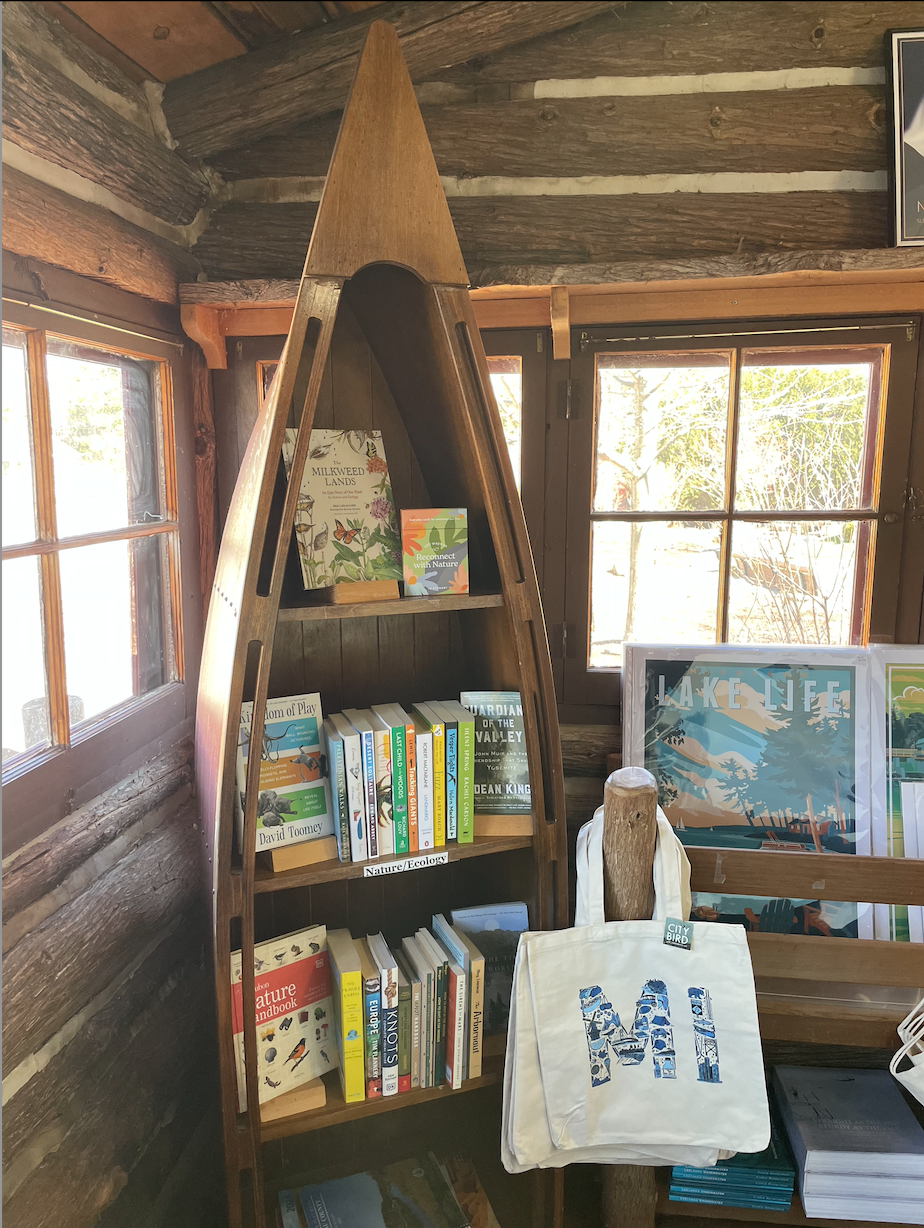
(90, 544)
(506, 372)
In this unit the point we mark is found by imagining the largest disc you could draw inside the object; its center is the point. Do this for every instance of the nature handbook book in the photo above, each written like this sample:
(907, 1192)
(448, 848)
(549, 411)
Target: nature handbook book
(345, 523)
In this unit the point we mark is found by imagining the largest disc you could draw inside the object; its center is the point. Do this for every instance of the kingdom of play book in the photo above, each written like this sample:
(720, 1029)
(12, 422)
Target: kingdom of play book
(345, 523)
(501, 762)
(296, 1040)
(434, 541)
(293, 802)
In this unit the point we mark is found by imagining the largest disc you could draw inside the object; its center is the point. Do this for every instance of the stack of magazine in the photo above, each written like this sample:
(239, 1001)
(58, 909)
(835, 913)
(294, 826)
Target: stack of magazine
(858, 1147)
(750, 1179)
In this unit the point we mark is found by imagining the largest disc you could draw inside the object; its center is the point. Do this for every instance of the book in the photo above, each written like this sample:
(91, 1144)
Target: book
(347, 995)
(465, 776)
(360, 723)
(346, 529)
(842, 1122)
(410, 753)
(396, 720)
(404, 1027)
(384, 785)
(423, 760)
(412, 978)
(412, 1191)
(434, 723)
(293, 802)
(440, 962)
(451, 734)
(388, 1013)
(464, 951)
(495, 929)
(455, 1024)
(501, 763)
(372, 1007)
(421, 966)
(353, 758)
(294, 1013)
(340, 802)
(434, 543)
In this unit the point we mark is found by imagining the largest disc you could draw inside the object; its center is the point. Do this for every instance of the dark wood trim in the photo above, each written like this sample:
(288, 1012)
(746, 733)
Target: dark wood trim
(401, 605)
(129, 533)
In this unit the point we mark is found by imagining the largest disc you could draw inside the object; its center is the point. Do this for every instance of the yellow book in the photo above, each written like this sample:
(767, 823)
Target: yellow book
(347, 993)
(438, 729)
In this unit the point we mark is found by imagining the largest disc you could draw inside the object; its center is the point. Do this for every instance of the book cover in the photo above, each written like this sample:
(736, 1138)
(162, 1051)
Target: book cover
(396, 720)
(440, 962)
(501, 763)
(465, 778)
(410, 1194)
(359, 720)
(293, 802)
(435, 724)
(495, 930)
(404, 1027)
(347, 995)
(434, 541)
(353, 756)
(451, 734)
(346, 529)
(455, 1024)
(412, 978)
(388, 1014)
(293, 1013)
(384, 786)
(372, 1008)
(464, 951)
(422, 968)
(340, 802)
(423, 758)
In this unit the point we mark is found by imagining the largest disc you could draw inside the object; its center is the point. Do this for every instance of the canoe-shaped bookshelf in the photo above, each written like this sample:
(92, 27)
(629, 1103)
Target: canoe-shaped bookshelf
(382, 337)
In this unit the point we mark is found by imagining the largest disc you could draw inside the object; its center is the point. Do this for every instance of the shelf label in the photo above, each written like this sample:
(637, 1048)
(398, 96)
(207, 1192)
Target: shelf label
(407, 863)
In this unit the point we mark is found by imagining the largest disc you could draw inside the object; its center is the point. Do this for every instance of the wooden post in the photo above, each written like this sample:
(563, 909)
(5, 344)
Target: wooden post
(630, 801)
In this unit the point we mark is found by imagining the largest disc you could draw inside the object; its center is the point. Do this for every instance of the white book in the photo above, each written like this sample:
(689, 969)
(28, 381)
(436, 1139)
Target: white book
(385, 815)
(353, 756)
(455, 1026)
(423, 745)
(388, 991)
(421, 965)
(471, 960)
(358, 719)
(340, 802)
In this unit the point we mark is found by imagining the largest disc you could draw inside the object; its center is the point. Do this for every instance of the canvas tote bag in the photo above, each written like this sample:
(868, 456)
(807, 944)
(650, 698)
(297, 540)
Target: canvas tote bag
(911, 1033)
(622, 1049)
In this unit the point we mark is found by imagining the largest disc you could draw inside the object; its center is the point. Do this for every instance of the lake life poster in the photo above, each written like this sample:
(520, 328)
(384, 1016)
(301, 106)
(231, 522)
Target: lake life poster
(757, 749)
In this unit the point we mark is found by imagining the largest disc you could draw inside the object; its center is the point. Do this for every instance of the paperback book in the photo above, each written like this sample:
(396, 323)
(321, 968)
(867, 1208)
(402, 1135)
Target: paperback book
(435, 545)
(347, 998)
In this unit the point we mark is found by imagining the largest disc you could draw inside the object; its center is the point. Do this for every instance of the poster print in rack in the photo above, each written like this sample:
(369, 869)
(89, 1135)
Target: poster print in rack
(758, 748)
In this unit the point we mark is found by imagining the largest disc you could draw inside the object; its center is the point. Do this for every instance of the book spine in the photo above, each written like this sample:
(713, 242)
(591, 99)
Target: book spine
(368, 747)
(466, 781)
(426, 1029)
(442, 998)
(439, 785)
(425, 790)
(383, 792)
(404, 1037)
(416, 1017)
(410, 752)
(452, 780)
(388, 994)
(476, 1018)
(399, 790)
(455, 1026)
(357, 810)
(349, 1000)
(336, 760)
(372, 1020)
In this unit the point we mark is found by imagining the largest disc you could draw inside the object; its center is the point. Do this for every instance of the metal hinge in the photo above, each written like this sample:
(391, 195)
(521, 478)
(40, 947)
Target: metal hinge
(569, 399)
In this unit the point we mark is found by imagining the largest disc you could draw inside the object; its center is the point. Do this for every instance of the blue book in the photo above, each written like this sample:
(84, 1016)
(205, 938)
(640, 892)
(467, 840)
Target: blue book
(388, 1012)
(336, 760)
(367, 743)
(410, 1192)
(495, 930)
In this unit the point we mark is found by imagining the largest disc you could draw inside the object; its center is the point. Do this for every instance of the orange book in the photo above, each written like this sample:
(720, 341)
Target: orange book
(410, 755)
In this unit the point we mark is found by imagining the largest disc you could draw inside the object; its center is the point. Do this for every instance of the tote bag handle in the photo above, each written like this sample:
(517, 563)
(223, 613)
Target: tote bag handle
(671, 872)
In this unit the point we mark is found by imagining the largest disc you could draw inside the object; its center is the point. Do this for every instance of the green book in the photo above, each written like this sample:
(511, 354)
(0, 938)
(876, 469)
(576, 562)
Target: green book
(465, 770)
(396, 719)
(404, 1031)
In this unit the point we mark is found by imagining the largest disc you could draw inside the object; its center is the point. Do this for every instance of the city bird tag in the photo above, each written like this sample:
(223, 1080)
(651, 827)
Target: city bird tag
(678, 933)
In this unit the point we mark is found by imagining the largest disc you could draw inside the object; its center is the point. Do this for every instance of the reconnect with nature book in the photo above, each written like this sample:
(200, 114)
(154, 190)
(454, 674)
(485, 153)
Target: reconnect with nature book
(296, 1040)
(434, 541)
(345, 523)
(293, 802)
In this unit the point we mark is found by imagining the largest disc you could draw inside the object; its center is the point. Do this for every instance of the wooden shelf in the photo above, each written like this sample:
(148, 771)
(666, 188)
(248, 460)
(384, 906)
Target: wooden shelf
(445, 603)
(707, 1213)
(330, 871)
(335, 1111)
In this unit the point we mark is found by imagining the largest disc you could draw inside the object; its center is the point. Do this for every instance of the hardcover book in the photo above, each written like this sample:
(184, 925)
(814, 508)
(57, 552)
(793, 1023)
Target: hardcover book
(347, 995)
(409, 1193)
(340, 803)
(435, 545)
(501, 763)
(345, 523)
(396, 721)
(465, 782)
(294, 1013)
(359, 720)
(451, 734)
(423, 768)
(433, 722)
(351, 741)
(495, 930)
(293, 802)
(421, 966)
(372, 1018)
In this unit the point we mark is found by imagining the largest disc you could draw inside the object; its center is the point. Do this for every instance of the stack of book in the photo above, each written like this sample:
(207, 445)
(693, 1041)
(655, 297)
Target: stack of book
(411, 1015)
(858, 1147)
(762, 1180)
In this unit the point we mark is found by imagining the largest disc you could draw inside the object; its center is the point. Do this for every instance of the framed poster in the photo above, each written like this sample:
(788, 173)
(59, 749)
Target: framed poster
(757, 748)
(897, 775)
(905, 58)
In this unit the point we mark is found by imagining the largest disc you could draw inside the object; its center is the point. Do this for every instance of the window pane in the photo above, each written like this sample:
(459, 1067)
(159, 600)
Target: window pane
(801, 435)
(115, 642)
(507, 385)
(18, 485)
(25, 693)
(792, 582)
(652, 582)
(104, 439)
(661, 425)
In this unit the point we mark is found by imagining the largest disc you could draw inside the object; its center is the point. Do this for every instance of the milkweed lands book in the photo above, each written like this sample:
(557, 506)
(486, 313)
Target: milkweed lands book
(346, 528)
(294, 800)
(296, 1041)
(434, 542)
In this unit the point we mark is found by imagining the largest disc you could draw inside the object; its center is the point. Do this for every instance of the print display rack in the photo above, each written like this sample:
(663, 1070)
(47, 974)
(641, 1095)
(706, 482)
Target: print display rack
(382, 336)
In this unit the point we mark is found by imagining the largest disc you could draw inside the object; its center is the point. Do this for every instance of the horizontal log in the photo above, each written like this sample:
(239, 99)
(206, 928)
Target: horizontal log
(269, 241)
(646, 40)
(765, 131)
(584, 748)
(309, 73)
(853, 961)
(51, 226)
(49, 115)
(66, 961)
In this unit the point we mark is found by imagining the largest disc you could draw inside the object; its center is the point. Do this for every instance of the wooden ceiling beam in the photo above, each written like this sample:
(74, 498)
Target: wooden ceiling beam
(309, 74)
